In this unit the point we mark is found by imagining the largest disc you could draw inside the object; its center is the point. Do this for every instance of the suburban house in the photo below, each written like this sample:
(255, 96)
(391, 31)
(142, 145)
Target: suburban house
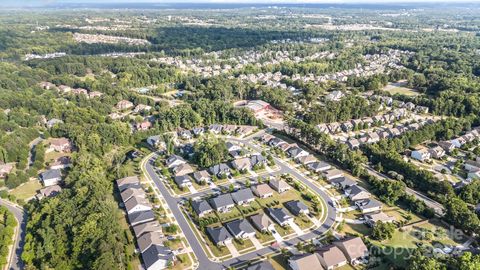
(152, 226)
(356, 193)
(332, 174)
(447, 146)
(318, 166)
(201, 208)
(306, 159)
(137, 204)
(276, 142)
(174, 161)
(243, 196)
(142, 108)
(123, 105)
(241, 164)
(148, 239)
(372, 218)
(297, 207)
(472, 165)
(141, 217)
(232, 147)
(219, 235)
(222, 203)
(265, 138)
(262, 191)
(157, 257)
(257, 160)
(458, 142)
(54, 121)
(331, 257)
(132, 192)
(240, 228)
(219, 170)
(51, 177)
(5, 169)
(279, 185)
(198, 131)
(296, 152)
(156, 142)
(421, 155)
(436, 152)
(354, 249)
(182, 169)
(229, 129)
(368, 205)
(334, 96)
(182, 181)
(305, 262)
(244, 130)
(50, 191)
(201, 176)
(373, 137)
(128, 182)
(262, 222)
(215, 129)
(59, 145)
(343, 182)
(280, 216)
(62, 162)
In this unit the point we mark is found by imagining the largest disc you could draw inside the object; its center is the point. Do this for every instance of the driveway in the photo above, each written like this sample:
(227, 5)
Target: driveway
(15, 261)
(255, 242)
(296, 228)
(233, 250)
(277, 236)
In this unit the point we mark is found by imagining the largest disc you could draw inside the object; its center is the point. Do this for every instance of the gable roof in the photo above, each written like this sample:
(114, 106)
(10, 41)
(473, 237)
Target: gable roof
(219, 168)
(171, 159)
(261, 221)
(155, 253)
(127, 180)
(279, 214)
(182, 180)
(241, 163)
(242, 195)
(218, 234)
(132, 192)
(221, 201)
(263, 189)
(307, 261)
(343, 182)
(278, 184)
(240, 226)
(352, 247)
(135, 201)
(355, 190)
(201, 206)
(200, 175)
(51, 174)
(331, 255)
(142, 216)
(257, 159)
(148, 239)
(152, 226)
(368, 204)
(296, 206)
(265, 265)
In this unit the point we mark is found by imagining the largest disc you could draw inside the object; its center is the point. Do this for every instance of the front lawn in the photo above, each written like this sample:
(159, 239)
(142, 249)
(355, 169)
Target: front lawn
(27, 190)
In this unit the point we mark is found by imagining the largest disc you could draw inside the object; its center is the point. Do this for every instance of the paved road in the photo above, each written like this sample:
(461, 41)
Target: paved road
(204, 261)
(438, 207)
(15, 262)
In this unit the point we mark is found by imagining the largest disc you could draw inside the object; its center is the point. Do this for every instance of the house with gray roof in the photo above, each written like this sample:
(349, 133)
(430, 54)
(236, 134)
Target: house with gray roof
(219, 235)
(157, 257)
(198, 131)
(51, 177)
(265, 265)
(276, 142)
(318, 166)
(148, 239)
(215, 129)
(240, 228)
(279, 185)
(132, 192)
(222, 203)
(137, 204)
(185, 134)
(257, 160)
(182, 181)
(174, 161)
(262, 222)
(201, 176)
(356, 193)
(368, 205)
(219, 170)
(201, 208)
(343, 182)
(152, 226)
(280, 216)
(297, 207)
(141, 217)
(296, 152)
(243, 196)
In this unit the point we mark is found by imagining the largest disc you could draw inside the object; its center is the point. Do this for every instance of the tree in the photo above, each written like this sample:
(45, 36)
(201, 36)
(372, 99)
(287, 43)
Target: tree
(383, 230)
(209, 151)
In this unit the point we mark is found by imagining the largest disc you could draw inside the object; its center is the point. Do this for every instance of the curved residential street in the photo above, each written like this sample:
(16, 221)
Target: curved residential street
(204, 262)
(15, 261)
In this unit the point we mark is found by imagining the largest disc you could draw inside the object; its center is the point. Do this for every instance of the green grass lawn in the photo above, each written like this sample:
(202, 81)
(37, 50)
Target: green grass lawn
(283, 231)
(407, 240)
(183, 262)
(356, 229)
(27, 190)
(231, 215)
(264, 237)
(244, 244)
(279, 262)
(303, 222)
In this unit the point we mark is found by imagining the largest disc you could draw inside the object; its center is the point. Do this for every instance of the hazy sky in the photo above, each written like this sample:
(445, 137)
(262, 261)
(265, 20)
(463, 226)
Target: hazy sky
(43, 2)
